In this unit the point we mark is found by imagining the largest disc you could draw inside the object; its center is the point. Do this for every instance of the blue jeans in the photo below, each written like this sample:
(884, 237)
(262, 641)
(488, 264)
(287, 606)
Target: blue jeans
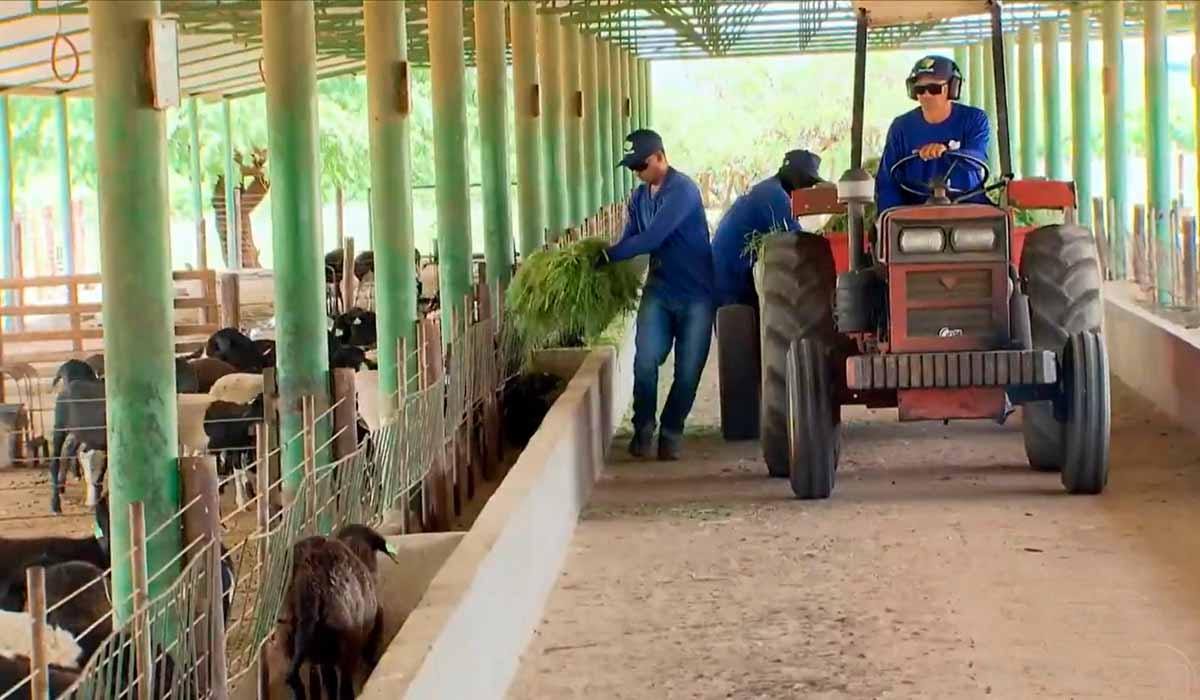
(662, 322)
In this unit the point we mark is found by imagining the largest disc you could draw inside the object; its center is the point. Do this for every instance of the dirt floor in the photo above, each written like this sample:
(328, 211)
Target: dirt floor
(943, 567)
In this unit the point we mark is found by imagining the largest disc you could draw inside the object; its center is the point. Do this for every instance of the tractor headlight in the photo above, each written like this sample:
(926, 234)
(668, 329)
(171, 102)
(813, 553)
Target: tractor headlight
(922, 240)
(973, 239)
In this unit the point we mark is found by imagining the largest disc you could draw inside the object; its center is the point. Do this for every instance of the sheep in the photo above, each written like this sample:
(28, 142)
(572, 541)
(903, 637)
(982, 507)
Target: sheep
(366, 391)
(208, 370)
(79, 410)
(16, 644)
(266, 348)
(239, 387)
(22, 553)
(75, 369)
(95, 467)
(332, 618)
(229, 427)
(232, 346)
(356, 327)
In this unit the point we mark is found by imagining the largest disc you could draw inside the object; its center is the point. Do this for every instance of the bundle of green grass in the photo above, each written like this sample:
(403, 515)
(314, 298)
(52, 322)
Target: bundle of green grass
(558, 299)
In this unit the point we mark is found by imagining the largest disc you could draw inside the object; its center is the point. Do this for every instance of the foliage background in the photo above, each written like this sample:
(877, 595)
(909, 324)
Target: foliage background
(713, 114)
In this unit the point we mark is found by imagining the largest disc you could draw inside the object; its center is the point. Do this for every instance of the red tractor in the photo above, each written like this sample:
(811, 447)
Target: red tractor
(947, 311)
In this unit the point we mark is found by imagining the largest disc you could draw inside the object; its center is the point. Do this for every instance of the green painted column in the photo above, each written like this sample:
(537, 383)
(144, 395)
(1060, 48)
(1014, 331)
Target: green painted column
(1028, 103)
(390, 197)
(635, 81)
(492, 93)
(1081, 113)
(975, 78)
(617, 124)
(554, 158)
(1158, 139)
(573, 125)
(448, 78)
(138, 314)
(289, 63)
(1052, 102)
(233, 247)
(604, 119)
(1014, 116)
(531, 214)
(989, 106)
(962, 56)
(645, 68)
(66, 217)
(197, 186)
(1115, 148)
(593, 175)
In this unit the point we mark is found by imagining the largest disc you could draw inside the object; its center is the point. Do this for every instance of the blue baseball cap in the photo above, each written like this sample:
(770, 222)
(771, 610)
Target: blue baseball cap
(639, 146)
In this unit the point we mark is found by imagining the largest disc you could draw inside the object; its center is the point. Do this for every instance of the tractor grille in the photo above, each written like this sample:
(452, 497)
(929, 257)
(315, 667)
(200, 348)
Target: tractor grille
(967, 294)
(967, 285)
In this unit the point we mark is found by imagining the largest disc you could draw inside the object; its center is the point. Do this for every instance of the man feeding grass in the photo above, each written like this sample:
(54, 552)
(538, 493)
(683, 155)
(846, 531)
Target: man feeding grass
(666, 221)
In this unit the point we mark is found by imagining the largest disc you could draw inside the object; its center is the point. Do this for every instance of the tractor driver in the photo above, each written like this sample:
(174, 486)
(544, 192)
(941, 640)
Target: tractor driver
(765, 207)
(941, 124)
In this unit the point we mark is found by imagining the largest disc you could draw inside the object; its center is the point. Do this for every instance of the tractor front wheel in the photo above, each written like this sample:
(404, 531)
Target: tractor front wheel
(1085, 394)
(813, 435)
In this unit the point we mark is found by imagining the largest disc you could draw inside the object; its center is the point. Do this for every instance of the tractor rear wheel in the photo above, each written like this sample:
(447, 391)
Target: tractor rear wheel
(795, 278)
(813, 435)
(1085, 393)
(1060, 272)
(739, 370)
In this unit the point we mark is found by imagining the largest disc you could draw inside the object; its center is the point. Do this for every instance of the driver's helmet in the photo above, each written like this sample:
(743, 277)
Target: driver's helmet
(938, 67)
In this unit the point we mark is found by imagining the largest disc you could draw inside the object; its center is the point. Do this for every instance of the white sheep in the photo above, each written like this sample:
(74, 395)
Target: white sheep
(366, 391)
(16, 639)
(239, 387)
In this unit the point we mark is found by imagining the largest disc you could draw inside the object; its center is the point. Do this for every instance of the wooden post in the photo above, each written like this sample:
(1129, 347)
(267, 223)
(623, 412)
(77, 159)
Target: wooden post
(271, 421)
(1189, 262)
(467, 464)
(202, 522)
(441, 494)
(76, 322)
(345, 417)
(308, 409)
(1139, 243)
(39, 663)
(348, 279)
(202, 243)
(491, 416)
(1099, 229)
(231, 300)
(339, 208)
(143, 650)
(263, 521)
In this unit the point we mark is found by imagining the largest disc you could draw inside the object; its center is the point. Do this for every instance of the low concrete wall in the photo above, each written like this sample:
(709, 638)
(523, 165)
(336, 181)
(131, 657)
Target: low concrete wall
(466, 637)
(1157, 358)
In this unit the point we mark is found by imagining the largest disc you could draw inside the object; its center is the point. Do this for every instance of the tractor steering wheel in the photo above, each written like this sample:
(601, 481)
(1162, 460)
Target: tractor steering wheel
(928, 191)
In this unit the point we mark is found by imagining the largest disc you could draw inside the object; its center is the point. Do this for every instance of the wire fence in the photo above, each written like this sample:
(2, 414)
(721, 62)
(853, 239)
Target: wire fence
(208, 627)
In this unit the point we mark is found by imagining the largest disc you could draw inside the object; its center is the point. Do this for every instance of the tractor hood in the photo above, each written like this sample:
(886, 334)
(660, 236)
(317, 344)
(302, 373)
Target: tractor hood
(881, 13)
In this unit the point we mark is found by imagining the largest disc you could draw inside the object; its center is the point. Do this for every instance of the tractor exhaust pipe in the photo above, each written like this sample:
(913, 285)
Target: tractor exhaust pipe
(856, 186)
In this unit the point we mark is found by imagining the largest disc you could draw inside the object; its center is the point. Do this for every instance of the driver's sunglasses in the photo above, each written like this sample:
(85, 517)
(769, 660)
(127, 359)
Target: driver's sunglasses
(640, 166)
(930, 88)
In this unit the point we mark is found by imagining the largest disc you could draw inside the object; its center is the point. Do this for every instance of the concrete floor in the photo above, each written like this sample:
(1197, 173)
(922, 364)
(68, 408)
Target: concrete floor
(942, 568)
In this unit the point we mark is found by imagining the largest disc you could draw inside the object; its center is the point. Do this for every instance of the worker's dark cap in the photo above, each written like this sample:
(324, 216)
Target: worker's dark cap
(639, 146)
(937, 67)
(802, 168)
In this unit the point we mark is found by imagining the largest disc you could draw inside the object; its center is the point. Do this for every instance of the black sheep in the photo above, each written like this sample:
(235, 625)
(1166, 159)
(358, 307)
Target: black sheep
(356, 327)
(79, 410)
(266, 350)
(527, 400)
(74, 369)
(20, 554)
(15, 669)
(230, 430)
(332, 617)
(236, 348)
(346, 356)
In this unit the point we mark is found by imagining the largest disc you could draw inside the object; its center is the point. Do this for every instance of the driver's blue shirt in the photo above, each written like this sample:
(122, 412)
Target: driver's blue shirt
(966, 127)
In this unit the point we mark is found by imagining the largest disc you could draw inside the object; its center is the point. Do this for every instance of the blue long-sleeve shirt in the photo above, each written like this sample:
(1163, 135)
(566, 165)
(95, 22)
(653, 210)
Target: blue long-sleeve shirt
(671, 226)
(966, 125)
(764, 208)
